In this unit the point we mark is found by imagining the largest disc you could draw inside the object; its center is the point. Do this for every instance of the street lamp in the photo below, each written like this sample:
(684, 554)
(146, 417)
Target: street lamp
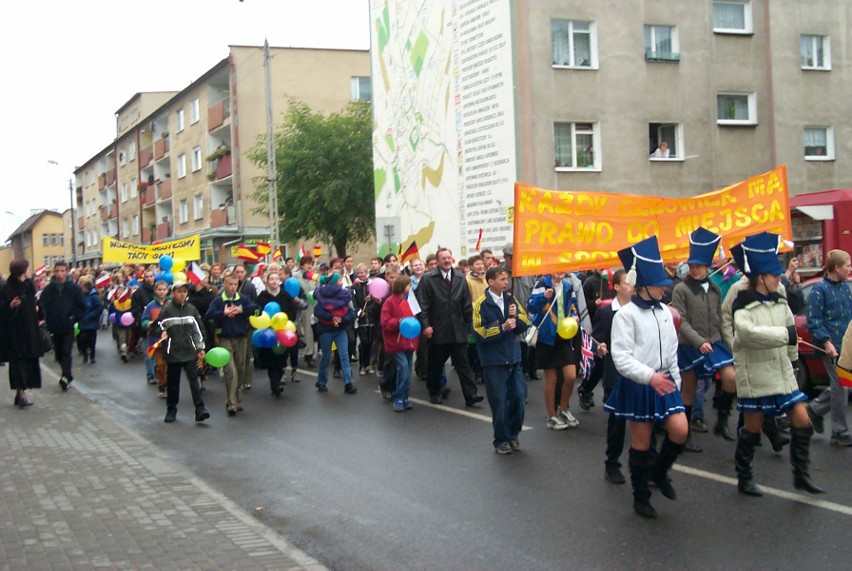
(73, 229)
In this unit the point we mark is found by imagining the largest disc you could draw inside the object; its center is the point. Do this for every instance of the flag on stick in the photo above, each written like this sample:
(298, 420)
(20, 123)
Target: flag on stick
(410, 253)
(247, 254)
(195, 273)
(409, 306)
(479, 241)
(39, 271)
(102, 281)
(262, 248)
(301, 254)
(277, 255)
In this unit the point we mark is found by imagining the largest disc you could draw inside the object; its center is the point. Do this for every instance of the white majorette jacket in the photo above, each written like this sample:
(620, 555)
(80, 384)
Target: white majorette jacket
(644, 342)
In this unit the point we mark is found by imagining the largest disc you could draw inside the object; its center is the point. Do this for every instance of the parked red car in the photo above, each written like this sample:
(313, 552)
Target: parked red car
(812, 374)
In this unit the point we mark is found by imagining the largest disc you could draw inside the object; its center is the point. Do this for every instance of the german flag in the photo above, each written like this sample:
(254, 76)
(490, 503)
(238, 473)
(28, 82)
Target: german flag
(262, 248)
(247, 254)
(410, 253)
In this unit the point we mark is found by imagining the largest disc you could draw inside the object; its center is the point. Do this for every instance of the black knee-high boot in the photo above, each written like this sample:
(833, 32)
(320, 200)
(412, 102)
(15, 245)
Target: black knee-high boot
(640, 472)
(742, 462)
(773, 433)
(690, 445)
(660, 473)
(725, 403)
(800, 459)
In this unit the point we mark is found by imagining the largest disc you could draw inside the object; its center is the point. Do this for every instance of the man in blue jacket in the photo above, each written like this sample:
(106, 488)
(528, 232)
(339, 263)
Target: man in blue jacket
(230, 312)
(497, 322)
(63, 305)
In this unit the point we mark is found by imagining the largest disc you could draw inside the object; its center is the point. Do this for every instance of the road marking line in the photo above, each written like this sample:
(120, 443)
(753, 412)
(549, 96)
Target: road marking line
(809, 500)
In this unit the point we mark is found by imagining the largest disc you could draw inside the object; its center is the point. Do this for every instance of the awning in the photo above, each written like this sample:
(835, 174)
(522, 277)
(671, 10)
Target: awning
(818, 212)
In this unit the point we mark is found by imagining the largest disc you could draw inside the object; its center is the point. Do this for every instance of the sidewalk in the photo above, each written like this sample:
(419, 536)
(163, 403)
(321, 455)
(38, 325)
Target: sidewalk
(79, 490)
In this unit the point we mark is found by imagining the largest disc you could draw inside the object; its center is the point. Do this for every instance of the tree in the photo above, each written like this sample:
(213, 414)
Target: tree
(324, 174)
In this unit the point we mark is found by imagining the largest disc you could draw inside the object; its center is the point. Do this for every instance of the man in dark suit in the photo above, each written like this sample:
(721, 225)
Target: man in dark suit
(446, 315)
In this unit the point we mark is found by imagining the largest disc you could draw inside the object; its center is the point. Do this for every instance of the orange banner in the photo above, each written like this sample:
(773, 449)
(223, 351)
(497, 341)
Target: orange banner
(561, 231)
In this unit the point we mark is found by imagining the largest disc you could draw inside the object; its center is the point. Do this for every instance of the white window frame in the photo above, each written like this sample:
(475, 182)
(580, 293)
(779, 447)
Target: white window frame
(679, 154)
(125, 228)
(134, 188)
(194, 111)
(181, 165)
(356, 93)
(752, 108)
(196, 159)
(198, 207)
(131, 151)
(183, 212)
(748, 22)
(829, 143)
(593, 44)
(179, 119)
(596, 165)
(651, 55)
(122, 157)
(826, 51)
(134, 226)
(123, 192)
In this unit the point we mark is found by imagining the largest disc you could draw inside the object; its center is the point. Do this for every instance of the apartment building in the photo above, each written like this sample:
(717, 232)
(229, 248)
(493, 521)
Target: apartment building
(40, 239)
(178, 165)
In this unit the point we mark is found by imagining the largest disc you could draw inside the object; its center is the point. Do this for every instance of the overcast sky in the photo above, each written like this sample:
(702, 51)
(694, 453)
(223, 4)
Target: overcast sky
(71, 64)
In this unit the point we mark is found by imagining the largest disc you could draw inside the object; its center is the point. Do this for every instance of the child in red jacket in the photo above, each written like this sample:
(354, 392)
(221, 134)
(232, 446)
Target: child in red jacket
(397, 346)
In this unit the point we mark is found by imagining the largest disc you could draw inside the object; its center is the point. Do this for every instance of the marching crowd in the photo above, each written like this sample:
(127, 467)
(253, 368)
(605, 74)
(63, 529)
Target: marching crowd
(658, 336)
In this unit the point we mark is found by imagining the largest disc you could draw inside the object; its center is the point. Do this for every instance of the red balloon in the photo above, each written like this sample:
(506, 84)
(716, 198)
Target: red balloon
(604, 302)
(287, 337)
(676, 318)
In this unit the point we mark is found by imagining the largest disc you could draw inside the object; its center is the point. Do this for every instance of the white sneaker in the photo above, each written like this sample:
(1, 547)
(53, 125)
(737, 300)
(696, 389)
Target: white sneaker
(569, 419)
(556, 423)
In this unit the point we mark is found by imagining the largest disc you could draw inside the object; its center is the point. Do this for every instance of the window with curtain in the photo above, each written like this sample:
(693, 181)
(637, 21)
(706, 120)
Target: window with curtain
(668, 133)
(736, 108)
(573, 43)
(575, 145)
(819, 143)
(814, 52)
(661, 43)
(734, 17)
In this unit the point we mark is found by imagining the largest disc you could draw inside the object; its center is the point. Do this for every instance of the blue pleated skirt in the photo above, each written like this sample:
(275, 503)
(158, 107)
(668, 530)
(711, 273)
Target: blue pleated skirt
(773, 405)
(690, 359)
(641, 403)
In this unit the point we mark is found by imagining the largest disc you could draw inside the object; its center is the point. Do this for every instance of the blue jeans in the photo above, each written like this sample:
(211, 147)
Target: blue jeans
(704, 383)
(341, 339)
(504, 386)
(404, 361)
(149, 363)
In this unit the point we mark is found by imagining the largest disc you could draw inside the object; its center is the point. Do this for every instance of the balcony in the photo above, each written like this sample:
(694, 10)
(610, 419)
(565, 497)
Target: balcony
(164, 230)
(217, 113)
(145, 157)
(218, 218)
(146, 235)
(223, 166)
(110, 177)
(164, 189)
(81, 222)
(161, 147)
(109, 212)
(149, 197)
(101, 181)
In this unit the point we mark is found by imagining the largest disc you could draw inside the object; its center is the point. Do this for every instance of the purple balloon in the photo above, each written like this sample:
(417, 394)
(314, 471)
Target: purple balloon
(379, 288)
(112, 318)
(127, 319)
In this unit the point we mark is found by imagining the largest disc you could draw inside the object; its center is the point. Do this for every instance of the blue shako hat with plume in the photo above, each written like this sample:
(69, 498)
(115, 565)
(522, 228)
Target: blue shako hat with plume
(758, 255)
(644, 264)
(702, 246)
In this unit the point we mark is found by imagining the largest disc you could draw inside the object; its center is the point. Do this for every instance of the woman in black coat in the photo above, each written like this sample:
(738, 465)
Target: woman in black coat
(21, 344)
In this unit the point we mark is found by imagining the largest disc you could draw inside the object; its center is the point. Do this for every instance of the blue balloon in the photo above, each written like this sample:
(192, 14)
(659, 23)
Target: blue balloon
(409, 327)
(292, 287)
(256, 338)
(272, 308)
(167, 277)
(133, 283)
(166, 263)
(268, 338)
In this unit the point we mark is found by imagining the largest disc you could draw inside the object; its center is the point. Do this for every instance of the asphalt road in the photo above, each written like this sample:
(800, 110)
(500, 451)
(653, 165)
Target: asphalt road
(358, 486)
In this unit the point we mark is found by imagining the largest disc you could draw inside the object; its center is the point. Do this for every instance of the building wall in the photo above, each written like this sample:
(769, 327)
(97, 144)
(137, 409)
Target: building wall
(5, 260)
(626, 93)
(49, 224)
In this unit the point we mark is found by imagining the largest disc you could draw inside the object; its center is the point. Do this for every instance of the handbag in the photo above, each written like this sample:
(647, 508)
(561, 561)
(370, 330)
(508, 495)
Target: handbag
(46, 339)
(531, 336)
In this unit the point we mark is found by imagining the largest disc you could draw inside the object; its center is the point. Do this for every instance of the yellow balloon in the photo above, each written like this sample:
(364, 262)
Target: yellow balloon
(290, 326)
(178, 265)
(178, 277)
(567, 328)
(259, 321)
(278, 321)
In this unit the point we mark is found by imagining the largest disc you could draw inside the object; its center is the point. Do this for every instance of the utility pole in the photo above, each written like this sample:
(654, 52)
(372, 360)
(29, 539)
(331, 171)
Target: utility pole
(73, 224)
(271, 175)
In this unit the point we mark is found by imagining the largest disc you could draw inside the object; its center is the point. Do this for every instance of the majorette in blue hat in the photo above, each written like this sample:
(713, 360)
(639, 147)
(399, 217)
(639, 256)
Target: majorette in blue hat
(644, 264)
(702, 246)
(758, 255)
